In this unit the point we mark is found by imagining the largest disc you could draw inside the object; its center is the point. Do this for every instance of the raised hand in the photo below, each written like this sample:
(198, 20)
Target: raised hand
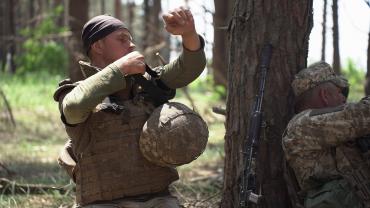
(131, 63)
(180, 22)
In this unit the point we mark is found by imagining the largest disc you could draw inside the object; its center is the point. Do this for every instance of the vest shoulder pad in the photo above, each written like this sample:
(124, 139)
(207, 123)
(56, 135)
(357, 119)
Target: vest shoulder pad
(64, 85)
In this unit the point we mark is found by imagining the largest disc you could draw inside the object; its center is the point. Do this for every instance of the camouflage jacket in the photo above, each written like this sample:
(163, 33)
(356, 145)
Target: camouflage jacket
(313, 140)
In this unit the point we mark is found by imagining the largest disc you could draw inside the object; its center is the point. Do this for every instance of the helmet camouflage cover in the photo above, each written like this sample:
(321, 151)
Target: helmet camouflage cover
(314, 75)
(173, 135)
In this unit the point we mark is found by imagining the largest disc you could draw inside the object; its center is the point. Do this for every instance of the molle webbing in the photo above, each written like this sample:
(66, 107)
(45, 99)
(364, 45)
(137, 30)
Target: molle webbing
(111, 166)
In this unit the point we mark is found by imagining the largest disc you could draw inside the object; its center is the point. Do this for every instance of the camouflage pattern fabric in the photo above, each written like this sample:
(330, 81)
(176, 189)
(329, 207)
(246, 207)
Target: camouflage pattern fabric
(173, 135)
(314, 75)
(315, 144)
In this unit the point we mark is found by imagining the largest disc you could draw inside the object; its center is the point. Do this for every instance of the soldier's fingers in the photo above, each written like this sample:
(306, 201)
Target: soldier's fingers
(189, 15)
(168, 18)
(181, 12)
(178, 18)
(140, 57)
(135, 54)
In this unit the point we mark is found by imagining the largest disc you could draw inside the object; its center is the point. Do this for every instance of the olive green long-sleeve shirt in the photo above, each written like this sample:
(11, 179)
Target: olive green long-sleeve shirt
(78, 104)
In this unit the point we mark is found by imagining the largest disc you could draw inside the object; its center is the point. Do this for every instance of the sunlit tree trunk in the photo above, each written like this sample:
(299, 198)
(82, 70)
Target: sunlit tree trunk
(323, 43)
(336, 55)
(78, 16)
(221, 17)
(286, 25)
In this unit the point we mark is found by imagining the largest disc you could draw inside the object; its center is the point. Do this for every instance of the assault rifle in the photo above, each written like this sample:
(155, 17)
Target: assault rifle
(248, 179)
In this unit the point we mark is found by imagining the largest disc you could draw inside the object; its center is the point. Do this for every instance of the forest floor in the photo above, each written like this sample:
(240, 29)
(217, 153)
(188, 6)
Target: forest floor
(29, 151)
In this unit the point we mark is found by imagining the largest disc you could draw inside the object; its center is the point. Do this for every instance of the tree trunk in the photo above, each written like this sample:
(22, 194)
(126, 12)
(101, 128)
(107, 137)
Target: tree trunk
(367, 85)
(131, 14)
(336, 55)
(117, 9)
(12, 32)
(102, 6)
(221, 17)
(323, 43)
(31, 11)
(154, 39)
(3, 20)
(286, 25)
(78, 16)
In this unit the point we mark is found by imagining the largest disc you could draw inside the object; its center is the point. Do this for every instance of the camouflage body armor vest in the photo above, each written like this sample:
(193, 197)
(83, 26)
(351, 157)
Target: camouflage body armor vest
(109, 163)
(354, 167)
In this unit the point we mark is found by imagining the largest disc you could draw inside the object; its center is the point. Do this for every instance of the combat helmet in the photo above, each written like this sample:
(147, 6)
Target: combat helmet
(173, 135)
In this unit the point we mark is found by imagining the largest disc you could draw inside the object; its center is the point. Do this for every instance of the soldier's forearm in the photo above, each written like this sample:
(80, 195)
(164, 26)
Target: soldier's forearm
(78, 103)
(186, 68)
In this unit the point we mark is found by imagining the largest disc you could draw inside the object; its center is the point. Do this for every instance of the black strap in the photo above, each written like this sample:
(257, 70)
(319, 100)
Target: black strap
(152, 93)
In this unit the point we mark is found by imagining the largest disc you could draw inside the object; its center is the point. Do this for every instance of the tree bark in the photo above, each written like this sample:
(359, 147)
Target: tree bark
(102, 6)
(323, 43)
(221, 17)
(78, 16)
(367, 85)
(286, 25)
(12, 32)
(154, 38)
(118, 9)
(131, 14)
(336, 55)
(3, 20)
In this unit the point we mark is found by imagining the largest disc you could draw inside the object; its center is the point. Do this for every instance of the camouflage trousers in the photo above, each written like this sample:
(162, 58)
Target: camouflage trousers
(157, 202)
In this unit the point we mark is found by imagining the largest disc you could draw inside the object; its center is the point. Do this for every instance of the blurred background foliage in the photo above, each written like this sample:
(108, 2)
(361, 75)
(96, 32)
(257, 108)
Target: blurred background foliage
(356, 79)
(40, 52)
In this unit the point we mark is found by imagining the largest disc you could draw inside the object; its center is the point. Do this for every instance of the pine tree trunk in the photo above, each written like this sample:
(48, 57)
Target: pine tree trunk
(102, 6)
(78, 16)
(153, 39)
(367, 85)
(12, 33)
(323, 43)
(3, 20)
(221, 17)
(336, 55)
(118, 9)
(131, 14)
(286, 25)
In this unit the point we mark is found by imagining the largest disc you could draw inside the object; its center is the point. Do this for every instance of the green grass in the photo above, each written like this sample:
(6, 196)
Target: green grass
(31, 149)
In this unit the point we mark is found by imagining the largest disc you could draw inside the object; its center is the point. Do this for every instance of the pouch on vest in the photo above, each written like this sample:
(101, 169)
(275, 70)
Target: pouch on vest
(67, 160)
(334, 194)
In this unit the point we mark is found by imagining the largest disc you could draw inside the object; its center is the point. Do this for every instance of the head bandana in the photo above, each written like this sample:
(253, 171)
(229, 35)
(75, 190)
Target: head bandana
(98, 27)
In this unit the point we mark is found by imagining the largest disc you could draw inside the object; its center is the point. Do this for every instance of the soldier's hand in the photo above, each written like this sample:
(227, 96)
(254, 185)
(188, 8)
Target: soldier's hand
(179, 22)
(132, 63)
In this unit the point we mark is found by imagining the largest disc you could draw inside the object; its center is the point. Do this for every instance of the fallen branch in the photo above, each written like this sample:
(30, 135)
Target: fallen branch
(11, 187)
(8, 108)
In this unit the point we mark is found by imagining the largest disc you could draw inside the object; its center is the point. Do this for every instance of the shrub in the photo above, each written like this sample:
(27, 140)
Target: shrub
(40, 52)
